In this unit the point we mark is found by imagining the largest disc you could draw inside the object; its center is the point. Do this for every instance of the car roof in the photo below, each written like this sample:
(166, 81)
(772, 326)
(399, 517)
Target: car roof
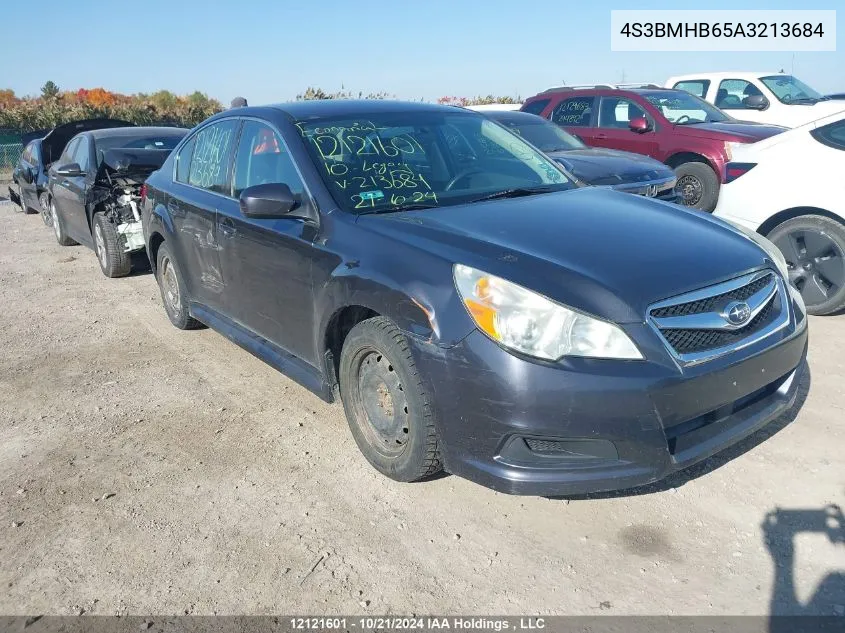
(318, 108)
(136, 131)
(512, 116)
(723, 75)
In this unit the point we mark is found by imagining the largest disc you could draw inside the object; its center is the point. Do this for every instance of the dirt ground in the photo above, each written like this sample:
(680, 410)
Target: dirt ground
(144, 470)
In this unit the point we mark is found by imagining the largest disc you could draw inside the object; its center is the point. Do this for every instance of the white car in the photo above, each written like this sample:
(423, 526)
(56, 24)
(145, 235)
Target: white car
(791, 188)
(774, 98)
(495, 107)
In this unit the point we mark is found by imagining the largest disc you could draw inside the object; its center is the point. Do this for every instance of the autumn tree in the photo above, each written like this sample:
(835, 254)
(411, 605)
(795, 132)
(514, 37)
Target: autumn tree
(7, 98)
(49, 91)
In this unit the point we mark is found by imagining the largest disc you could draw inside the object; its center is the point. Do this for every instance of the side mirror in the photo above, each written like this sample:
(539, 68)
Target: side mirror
(70, 170)
(756, 102)
(268, 201)
(639, 124)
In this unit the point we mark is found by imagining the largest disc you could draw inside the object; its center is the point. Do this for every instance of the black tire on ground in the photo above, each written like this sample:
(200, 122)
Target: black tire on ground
(44, 201)
(172, 286)
(387, 406)
(698, 186)
(114, 261)
(59, 227)
(814, 248)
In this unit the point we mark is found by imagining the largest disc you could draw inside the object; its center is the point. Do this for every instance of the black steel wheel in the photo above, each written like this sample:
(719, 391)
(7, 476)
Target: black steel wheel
(697, 186)
(814, 249)
(387, 406)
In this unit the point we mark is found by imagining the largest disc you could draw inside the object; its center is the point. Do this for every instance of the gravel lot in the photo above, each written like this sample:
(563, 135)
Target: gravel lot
(144, 470)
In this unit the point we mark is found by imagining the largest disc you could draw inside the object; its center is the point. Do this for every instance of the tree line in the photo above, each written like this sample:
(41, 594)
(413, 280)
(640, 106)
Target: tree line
(55, 106)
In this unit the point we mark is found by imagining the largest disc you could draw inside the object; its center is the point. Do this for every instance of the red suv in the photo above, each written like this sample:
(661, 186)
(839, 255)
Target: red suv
(691, 136)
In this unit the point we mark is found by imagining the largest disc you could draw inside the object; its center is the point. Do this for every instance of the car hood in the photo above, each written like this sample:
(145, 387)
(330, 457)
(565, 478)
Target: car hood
(743, 131)
(598, 166)
(604, 252)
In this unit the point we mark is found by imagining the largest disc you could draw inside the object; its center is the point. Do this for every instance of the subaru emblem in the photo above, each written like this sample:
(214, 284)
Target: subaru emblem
(737, 313)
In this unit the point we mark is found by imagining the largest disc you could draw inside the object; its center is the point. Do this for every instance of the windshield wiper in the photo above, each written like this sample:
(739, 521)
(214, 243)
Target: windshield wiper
(516, 192)
(414, 206)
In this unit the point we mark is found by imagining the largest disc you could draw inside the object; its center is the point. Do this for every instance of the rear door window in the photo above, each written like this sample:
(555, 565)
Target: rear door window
(536, 107)
(183, 161)
(832, 135)
(574, 112)
(212, 156)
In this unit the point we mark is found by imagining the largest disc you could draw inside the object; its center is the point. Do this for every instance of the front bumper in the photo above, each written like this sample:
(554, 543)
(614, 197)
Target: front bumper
(585, 425)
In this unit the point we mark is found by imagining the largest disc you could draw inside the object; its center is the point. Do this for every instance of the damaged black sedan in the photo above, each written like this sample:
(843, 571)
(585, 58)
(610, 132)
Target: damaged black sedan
(41, 149)
(96, 186)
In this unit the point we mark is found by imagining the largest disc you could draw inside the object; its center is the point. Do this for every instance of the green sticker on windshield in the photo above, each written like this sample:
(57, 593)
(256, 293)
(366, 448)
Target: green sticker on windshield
(371, 195)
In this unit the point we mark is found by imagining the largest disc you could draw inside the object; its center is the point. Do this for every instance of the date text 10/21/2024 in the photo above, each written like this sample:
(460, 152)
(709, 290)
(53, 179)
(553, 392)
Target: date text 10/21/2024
(432, 623)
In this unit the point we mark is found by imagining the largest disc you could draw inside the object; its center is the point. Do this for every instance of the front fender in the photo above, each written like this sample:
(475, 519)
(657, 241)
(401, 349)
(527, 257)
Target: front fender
(427, 311)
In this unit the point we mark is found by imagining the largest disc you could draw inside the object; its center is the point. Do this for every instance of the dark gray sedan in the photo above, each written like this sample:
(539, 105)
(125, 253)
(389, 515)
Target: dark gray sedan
(601, 167)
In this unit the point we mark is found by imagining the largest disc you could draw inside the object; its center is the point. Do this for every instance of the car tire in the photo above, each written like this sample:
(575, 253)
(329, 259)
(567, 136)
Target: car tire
(44, 202)
(814, 248)
(697, 186)
(171, 283)
(387, 406)
(114, 261)
(59, 227)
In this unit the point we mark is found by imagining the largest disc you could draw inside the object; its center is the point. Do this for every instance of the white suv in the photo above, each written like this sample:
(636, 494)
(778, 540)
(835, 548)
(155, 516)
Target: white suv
(774, 98)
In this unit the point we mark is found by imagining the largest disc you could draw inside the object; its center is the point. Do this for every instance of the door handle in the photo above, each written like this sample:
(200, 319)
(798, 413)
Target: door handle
(227, 227)
(601, 135)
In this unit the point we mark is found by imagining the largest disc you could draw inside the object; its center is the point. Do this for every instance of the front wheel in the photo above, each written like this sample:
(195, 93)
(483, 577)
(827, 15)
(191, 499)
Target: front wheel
(387, 407)
(114, 261)
(814, 249)
(697, 186)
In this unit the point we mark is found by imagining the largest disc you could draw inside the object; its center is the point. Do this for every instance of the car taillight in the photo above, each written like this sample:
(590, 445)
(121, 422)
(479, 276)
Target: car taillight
(143, 193)
(735, 170)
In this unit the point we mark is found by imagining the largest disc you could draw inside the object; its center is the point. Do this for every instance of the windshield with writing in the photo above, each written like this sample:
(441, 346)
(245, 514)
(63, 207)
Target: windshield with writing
(788, 89)
(682, 108)
(383, 162)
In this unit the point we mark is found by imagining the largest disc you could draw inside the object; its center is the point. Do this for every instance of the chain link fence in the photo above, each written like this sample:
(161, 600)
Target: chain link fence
(9, 154)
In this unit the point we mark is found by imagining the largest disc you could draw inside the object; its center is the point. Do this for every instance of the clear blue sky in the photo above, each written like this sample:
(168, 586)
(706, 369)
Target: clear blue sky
(270, 50)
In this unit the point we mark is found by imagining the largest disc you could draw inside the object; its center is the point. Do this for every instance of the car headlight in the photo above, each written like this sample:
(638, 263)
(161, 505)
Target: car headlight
(771, 250)
(730, 146)
(528, 322)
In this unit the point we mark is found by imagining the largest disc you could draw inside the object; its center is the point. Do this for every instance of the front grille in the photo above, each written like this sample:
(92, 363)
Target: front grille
(711, 303)
(696, 323)
(545, 446)
(692, 341)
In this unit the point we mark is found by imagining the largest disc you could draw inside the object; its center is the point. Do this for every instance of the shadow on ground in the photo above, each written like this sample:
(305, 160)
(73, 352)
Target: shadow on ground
(779, 528)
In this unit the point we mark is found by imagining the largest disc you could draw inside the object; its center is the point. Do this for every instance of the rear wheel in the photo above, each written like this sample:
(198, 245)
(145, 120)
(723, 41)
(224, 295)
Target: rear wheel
(44, 203)
(698, 186)
(59, 227)
(172, 286)
(814, 249)
(114, 261)
(386, 404)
